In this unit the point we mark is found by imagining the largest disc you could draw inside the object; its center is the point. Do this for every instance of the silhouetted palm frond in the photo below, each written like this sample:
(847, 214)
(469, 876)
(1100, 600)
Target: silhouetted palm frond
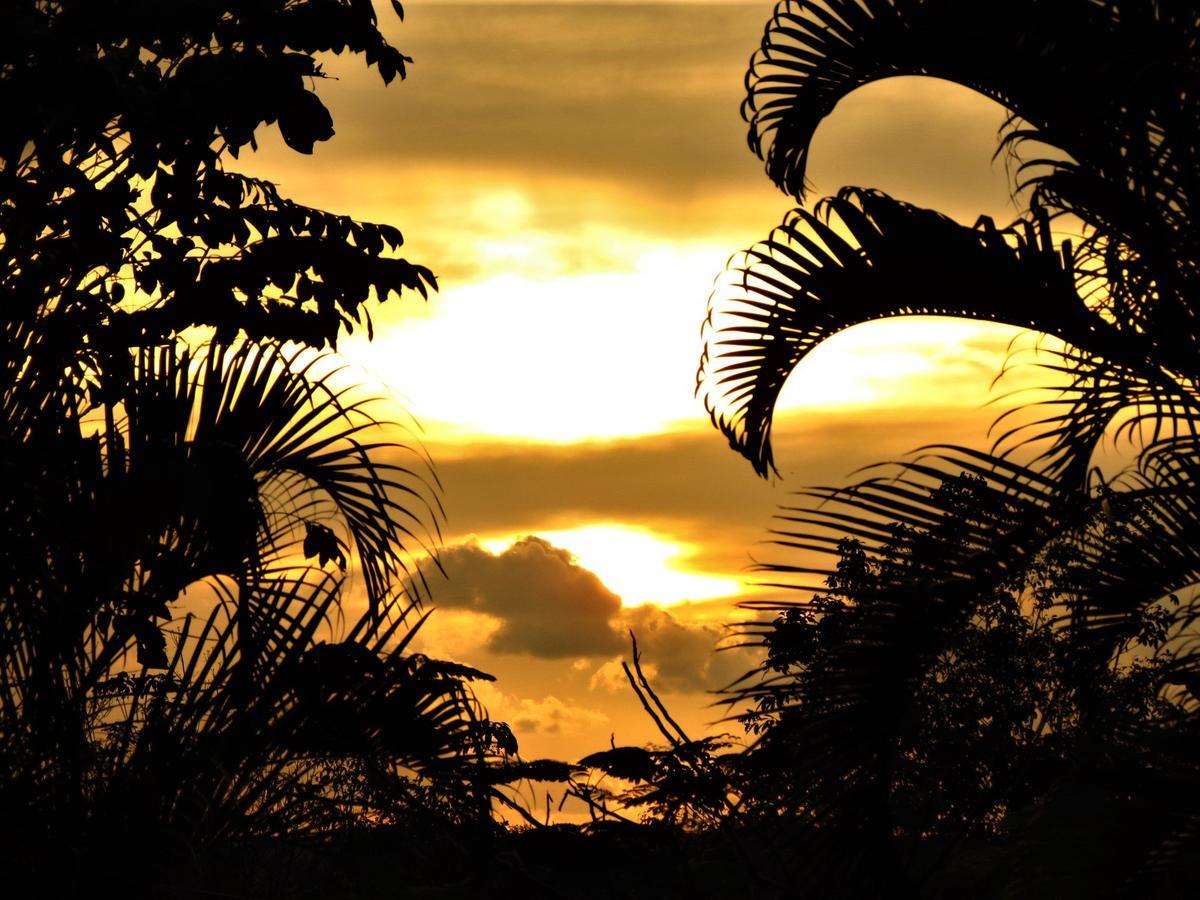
(1130, 404)
(863, 256)
(308, 449)
(1107, 84)
(1126, 150)
(861, 671)
(178, 668)
(972, 632)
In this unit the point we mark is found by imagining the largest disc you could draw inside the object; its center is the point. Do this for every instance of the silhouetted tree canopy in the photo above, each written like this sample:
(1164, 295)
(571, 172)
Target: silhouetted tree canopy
(119, 214)
(984, 640)
(185, 513)
(981, 674)
(974, 696)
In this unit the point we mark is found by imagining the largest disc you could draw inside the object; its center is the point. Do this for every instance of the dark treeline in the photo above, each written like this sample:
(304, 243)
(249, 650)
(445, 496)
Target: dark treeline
(981, 677)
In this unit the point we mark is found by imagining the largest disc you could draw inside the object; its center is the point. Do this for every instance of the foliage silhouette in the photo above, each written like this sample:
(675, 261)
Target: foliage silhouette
(121, 222)
(910, 704)
(897, 661)
(685, 785)
(1120, 299)
(176, 674)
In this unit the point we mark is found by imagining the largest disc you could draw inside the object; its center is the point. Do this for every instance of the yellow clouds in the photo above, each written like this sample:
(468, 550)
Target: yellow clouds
(546, 715)
(582, 330)
(613, 354)
(457, 634)
(595, 355)
(915, 362)
(577, 197)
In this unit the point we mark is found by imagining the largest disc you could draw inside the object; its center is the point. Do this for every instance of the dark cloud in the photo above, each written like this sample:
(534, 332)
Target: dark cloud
(690, 485)
(644, 95)
(633, 91)
(549, 606)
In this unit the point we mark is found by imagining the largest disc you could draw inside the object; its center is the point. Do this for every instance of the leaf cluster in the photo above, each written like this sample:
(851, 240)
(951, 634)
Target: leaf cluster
(117, 210)
(209, 549)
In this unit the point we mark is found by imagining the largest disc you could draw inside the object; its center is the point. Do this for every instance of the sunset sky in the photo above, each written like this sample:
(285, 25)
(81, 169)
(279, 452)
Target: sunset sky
(577, 175)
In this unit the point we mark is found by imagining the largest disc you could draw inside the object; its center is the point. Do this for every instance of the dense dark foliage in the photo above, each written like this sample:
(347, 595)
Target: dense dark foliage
(208, 577)
(923, 711)
(118, 212)
(989, 643)
(988, 685)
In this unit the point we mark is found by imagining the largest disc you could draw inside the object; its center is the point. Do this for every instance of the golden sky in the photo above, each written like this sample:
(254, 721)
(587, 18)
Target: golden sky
(577, 176)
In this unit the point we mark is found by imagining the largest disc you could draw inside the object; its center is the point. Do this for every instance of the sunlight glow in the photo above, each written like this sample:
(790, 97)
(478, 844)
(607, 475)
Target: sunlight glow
(917, 360)
(605, 355)
(639, 565)
(588, 356)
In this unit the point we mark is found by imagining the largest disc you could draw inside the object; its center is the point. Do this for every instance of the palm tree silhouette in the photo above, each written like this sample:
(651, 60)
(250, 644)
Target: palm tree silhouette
(1103, 93)
(175, 670)
(209, 572)
(1120, 299)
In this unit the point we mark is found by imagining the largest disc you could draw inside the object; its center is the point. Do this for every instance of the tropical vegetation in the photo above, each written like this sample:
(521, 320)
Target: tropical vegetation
(995, 641)
(210, 538)
(981, 673)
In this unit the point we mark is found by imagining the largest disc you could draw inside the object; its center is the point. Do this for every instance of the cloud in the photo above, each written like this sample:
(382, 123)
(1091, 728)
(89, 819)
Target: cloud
(536, 600)
(650, 89)
(610, 676)
(456, 634)
(688, 484)
(676, 656)
(685, 656)
(548, 605)
(546, 716)
(552, 716)
(650, 98)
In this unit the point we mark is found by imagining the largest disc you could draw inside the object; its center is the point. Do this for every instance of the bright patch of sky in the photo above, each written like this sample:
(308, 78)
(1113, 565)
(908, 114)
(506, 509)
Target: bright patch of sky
(577, 176)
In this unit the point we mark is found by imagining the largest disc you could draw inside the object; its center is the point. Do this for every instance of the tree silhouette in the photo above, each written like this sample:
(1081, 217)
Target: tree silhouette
(208, 555)
(1101, 103)
(1120, 299)
(120, 217)
(909, 704)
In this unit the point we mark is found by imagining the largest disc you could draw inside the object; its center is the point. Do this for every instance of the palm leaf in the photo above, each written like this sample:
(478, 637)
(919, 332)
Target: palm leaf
(837, 731)
(1100, 398)
(1131, 547)
(1104, 93)
(806, 282)
(304, 448)
(1107, 85)
(1131, 56)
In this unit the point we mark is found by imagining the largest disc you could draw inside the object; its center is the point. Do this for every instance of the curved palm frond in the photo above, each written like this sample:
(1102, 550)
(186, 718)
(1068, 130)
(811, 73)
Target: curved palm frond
(329, 731)
(178, 660)
(1134, 405)
(297, 450)
(1109, 85)
(814, 54)
(863, 256)
(1129, 58)
(1129, 548)
(907, 575)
